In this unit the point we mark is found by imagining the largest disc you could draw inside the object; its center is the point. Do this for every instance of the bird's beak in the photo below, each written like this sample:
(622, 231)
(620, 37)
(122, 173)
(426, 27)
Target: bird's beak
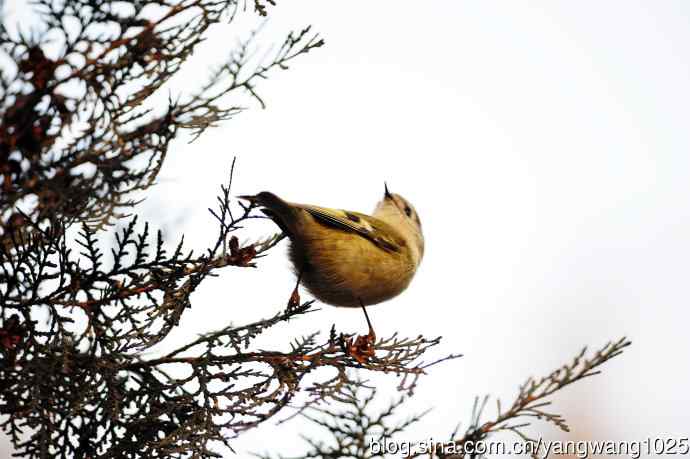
(387, 193)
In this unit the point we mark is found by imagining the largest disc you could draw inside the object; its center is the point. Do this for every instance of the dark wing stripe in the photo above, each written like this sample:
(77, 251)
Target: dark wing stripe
(341, 223)
(346, 225)
(386, 245)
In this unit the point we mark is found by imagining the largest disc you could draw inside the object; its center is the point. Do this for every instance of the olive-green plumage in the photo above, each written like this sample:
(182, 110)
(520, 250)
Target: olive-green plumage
(348, 258)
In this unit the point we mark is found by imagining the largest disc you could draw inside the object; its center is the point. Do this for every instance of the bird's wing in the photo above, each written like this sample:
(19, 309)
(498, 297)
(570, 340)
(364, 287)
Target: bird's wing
(366, 226)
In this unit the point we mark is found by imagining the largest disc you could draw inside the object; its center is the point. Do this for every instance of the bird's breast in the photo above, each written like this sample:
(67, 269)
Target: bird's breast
(342, 268)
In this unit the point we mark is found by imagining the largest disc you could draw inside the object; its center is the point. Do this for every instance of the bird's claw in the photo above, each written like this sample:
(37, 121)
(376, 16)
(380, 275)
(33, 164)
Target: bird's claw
(362, 348)
(294, 300)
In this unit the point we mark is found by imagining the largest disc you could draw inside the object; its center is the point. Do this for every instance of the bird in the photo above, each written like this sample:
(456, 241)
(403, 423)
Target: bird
(346, 258)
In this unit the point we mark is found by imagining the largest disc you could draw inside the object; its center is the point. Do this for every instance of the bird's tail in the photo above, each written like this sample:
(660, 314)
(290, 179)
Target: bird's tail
(280, 211)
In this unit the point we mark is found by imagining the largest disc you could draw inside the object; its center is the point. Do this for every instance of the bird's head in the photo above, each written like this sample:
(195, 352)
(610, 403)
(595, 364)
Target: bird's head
(398, 212)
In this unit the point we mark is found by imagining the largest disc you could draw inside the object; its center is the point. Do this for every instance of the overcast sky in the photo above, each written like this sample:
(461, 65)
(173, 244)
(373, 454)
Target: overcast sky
(545, 147)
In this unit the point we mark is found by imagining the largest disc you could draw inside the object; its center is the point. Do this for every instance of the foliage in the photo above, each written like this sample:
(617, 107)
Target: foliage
(352, 427)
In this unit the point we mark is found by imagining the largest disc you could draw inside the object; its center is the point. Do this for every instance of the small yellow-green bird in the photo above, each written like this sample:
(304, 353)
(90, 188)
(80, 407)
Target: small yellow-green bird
(348, 258)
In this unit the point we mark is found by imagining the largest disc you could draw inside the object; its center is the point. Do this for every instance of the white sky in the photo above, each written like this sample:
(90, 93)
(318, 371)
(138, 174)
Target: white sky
(546, 150)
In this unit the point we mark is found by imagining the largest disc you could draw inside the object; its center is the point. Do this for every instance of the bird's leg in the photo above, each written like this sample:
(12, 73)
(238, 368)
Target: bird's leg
(371, 336)
(363, 347)
(294, 300)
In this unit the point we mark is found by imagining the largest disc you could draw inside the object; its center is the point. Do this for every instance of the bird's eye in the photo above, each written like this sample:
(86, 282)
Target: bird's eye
(408, 211)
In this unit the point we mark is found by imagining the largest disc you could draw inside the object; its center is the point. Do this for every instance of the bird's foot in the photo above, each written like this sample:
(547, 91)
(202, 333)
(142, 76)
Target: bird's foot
(362, 349)
(294, 300)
